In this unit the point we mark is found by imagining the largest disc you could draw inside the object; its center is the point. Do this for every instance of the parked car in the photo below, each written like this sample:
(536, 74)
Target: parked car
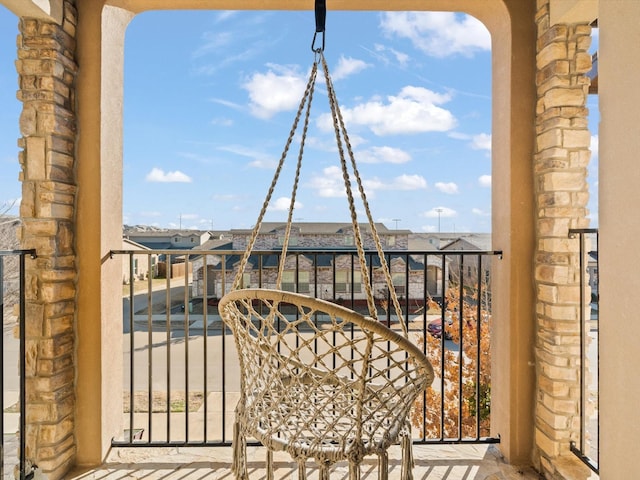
(434, 327)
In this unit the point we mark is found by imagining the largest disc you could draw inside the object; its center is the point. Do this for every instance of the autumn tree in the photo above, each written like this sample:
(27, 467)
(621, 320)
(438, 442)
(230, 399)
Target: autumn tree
(458, 404)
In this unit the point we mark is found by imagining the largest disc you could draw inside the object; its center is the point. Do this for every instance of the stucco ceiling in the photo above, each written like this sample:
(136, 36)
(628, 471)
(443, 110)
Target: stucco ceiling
(43, 9)
(573, 11)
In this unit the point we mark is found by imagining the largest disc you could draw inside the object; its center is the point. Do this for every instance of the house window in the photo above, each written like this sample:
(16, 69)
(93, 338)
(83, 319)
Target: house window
(303, 282)
(293, 241)
(193, 240)
(348, 240)
(289, 281)
(343, 281)
(399, 284)
(246, 280)
(135, 266)
(391, 241)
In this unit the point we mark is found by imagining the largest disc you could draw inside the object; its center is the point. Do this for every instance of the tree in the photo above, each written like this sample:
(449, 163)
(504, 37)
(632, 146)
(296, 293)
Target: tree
(466, 411)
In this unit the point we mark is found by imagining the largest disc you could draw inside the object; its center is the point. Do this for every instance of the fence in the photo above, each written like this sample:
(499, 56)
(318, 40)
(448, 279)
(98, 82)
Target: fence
(12, 420)
(587, 447)
(181, 371)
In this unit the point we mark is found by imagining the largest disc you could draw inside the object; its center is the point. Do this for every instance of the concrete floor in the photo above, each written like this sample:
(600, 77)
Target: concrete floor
(432, 462)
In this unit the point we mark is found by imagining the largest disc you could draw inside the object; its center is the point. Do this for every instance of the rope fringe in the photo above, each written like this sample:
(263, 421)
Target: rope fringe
(239, 466)
(269, 464)
(383, 466)
(406, 472)
(354, 471)
(302, 469)
(324, 471)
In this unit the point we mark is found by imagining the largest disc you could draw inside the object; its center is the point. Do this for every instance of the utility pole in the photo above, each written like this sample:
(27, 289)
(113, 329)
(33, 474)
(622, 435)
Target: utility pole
(396, 220)
(439, 210)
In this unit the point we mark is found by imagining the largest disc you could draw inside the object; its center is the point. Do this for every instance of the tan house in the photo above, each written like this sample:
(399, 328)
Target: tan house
(70, 60)
(139, 267)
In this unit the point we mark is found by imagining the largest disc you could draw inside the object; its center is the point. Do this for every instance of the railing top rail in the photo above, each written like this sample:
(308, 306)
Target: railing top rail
(31, 252)
(305, 252)
(580, 231)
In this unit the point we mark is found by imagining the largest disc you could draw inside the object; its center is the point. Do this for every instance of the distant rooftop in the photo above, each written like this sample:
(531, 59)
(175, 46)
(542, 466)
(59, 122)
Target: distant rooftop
(320, 228)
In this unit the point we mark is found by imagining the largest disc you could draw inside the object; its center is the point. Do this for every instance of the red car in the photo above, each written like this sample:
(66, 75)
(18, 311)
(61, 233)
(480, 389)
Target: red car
(434, 327)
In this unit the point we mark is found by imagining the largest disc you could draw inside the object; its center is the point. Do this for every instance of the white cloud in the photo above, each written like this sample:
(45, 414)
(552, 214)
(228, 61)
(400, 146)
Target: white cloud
(400, 57)
(449, 187)
(258, 159)
(224, 15)
(480, 212)
(330, 184)
(482, 141)
(439, 212)
(222, 122)
(594, 146)
(159, 175)
(277, 90)
(213, 41)
(439, 34)
(413, 110)
(484, 180)
(282, 205)
(348, 66)
(227, 103)
(383, 155)
(402, 182)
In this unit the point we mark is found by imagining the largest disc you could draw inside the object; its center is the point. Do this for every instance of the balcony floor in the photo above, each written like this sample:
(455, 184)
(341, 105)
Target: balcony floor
(432, 462)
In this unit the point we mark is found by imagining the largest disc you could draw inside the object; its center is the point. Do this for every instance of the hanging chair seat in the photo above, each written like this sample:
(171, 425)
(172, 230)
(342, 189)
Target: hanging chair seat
(319, 380)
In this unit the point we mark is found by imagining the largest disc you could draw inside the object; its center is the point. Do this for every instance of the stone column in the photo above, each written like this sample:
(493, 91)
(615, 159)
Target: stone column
(47, 69)
(560, 164)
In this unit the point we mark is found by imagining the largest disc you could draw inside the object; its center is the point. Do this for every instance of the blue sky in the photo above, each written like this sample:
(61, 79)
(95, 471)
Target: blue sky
(210, 97)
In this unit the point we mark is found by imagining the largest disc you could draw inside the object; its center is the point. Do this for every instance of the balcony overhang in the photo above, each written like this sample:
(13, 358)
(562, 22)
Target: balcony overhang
(50, 10)
(573, 11)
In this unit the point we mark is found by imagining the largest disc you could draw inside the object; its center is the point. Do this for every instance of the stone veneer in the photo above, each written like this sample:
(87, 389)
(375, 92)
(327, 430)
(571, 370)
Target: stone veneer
(560, 172)
(47, 71)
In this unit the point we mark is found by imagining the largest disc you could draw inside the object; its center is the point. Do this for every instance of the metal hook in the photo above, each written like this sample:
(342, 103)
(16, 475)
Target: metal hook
(321, 17)
(313, 43)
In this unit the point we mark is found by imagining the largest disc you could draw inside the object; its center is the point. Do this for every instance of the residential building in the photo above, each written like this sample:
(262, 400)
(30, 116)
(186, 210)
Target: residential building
(139, 267)
(168, 239)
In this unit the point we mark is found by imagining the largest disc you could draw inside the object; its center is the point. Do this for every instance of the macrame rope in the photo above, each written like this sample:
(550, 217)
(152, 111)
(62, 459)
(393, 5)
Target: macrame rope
(265, 205)
(285, 244)
(340, 129)
(347, 185)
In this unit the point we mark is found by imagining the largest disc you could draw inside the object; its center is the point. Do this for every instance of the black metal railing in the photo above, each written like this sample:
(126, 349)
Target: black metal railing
(181, 371)
(587, 447)
(12, 293)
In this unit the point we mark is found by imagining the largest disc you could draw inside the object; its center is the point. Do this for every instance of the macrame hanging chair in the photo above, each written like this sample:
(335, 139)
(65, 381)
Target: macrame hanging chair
(318, 380)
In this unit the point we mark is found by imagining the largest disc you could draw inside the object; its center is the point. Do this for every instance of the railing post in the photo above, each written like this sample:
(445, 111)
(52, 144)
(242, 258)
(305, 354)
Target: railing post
(580, 450)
